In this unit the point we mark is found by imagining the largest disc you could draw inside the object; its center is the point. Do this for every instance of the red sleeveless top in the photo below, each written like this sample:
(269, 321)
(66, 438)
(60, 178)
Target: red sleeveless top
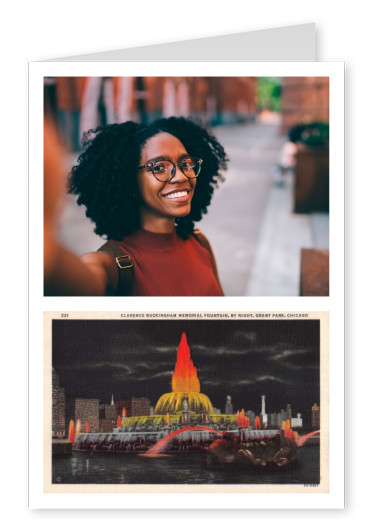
(166, 265)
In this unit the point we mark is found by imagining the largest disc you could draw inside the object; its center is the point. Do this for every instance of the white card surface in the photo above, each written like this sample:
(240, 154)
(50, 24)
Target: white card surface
(261, 54)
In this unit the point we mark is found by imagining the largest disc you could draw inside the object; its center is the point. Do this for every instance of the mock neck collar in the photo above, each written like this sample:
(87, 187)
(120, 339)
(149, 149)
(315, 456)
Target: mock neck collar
(153, 241)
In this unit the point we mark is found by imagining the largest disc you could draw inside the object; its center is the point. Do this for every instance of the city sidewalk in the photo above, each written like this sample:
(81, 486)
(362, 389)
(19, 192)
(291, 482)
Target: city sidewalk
(276, 266)
(256, 237)
(235, 216)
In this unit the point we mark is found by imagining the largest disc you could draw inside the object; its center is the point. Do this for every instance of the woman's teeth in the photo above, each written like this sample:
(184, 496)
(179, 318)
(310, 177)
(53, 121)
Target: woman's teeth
(176, 194)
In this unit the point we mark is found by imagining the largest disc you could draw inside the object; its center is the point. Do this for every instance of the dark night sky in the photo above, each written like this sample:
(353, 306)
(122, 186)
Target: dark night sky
(240, 358)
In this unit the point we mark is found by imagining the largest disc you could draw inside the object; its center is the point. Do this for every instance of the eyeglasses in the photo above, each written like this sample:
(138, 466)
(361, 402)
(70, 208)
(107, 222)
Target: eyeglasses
(165, 170)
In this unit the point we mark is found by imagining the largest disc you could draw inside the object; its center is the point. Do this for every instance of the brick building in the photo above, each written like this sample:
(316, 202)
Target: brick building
(96, 101)
(216, 100)
(304, 99)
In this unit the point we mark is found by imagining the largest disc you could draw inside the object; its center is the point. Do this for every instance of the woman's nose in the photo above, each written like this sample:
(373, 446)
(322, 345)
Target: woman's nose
(178, 176)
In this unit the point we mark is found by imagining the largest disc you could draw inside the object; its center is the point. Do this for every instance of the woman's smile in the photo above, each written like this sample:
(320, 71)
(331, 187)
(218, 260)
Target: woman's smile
(179, 195)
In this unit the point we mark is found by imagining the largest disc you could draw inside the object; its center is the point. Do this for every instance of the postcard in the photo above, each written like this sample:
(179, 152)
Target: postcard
(186, 402)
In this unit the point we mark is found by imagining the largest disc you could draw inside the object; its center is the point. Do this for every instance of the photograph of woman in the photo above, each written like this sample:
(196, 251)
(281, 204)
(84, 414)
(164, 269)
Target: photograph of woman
(140, 159)
(144, 186)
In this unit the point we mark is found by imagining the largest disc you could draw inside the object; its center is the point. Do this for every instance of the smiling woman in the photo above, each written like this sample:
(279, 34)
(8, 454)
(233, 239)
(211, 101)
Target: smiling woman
(144, 187)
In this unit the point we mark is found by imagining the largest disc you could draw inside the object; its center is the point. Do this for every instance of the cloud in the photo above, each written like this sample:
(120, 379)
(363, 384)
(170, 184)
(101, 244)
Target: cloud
(211, 383)
(247, 336)
(270, 378)
(154, 376)
(165, 349)
(287, 353)
(229, 350)
(253, 380)
(122, 349)
(94, 366)
(297, 359)
(139, 371)
(264, 378)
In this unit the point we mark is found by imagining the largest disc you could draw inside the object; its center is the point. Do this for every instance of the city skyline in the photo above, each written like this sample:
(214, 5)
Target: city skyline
(241, 358)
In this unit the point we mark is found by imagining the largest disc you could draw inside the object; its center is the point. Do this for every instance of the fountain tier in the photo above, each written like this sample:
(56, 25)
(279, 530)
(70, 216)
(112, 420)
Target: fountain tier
(175, 402)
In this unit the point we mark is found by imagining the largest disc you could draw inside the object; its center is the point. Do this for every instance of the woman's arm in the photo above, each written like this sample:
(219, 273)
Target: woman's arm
(68, 274)
(64, 272)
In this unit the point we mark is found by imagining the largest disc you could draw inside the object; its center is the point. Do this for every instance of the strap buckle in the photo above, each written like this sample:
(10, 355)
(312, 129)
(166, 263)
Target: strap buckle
(124, 266)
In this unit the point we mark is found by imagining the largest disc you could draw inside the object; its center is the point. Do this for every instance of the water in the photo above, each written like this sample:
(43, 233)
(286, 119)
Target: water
(184, 468)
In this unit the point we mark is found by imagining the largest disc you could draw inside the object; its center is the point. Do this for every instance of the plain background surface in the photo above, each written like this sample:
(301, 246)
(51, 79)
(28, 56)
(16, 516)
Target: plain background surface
(39, 30)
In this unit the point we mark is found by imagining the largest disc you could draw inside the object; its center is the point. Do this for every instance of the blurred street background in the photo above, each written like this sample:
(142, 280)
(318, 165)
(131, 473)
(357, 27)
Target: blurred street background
(269, 220)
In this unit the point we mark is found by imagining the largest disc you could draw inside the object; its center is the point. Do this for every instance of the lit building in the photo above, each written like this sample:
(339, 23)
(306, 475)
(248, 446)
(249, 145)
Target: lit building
(107, 417)
(273, 420)
(263, 415)
(85, 410)
(297, 422)
(58, 407)
(229, 409)
(134, 406)
(315, 416)
(252, 417)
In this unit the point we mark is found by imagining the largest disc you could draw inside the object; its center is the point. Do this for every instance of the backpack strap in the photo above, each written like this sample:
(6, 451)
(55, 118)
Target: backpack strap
(204, 242)
(125, 264)
(125, 268)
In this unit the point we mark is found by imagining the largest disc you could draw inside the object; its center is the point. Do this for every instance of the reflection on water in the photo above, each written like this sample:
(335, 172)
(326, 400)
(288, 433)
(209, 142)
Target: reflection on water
(180, 469)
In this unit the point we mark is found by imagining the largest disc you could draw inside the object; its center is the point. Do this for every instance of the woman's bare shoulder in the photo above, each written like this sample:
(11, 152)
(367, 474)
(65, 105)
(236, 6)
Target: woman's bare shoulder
(104, 267)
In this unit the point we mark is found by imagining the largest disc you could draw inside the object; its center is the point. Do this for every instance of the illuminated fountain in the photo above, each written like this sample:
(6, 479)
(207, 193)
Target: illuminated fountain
(184, 420)
(185, 393)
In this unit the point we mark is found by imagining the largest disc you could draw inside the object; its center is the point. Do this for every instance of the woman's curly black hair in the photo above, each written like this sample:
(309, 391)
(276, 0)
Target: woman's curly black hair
(105, 176)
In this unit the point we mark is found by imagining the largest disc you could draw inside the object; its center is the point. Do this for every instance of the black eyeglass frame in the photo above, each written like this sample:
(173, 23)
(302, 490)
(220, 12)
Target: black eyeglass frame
(150, 165)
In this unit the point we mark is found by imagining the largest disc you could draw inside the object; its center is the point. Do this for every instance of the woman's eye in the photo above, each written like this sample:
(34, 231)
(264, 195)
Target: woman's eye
(188, 164)
(159, 167)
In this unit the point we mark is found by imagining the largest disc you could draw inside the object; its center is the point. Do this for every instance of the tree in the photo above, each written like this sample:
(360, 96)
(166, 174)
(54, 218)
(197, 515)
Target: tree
(269, 92)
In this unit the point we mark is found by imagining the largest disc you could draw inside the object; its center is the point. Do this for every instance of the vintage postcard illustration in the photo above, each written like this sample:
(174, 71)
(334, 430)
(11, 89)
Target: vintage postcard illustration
(207, 401)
